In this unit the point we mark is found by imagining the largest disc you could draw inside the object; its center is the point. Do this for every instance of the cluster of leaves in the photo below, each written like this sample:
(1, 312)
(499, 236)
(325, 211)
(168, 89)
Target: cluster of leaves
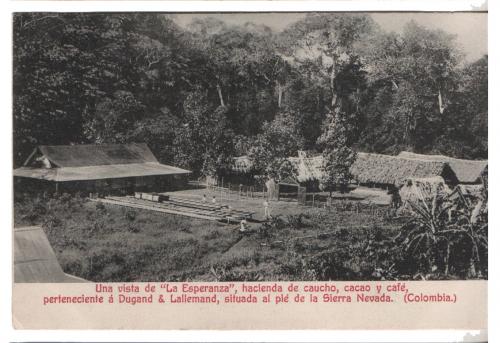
(269, 151)
(338, 156)
(448, 234)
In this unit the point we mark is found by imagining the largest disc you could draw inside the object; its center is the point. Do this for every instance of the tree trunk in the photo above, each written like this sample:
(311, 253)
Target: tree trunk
(358, 98)
(333, 75)
(447, 259)
(219, 91)
(440, 102)
(280, 93)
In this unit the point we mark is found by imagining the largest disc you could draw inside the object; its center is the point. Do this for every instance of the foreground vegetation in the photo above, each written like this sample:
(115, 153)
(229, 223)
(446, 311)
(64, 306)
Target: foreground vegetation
(108, 243)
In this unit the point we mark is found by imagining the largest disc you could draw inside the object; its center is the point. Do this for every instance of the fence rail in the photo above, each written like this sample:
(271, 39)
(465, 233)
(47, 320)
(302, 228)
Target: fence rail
(230, 191)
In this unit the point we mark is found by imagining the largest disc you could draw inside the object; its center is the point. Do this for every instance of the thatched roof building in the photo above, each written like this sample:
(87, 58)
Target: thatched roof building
(467, 171)
(369, 168)
(308, 168)
(380, 169)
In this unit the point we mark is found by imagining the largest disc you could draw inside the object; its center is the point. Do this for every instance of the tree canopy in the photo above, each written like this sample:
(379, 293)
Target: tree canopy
(202, 94)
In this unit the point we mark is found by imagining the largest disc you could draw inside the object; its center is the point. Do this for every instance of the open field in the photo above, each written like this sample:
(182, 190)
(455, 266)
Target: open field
(111, 243)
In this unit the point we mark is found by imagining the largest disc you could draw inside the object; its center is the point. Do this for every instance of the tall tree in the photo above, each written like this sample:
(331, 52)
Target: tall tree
(204, 142)
(413, 74)
(338, 156)
(270, 150)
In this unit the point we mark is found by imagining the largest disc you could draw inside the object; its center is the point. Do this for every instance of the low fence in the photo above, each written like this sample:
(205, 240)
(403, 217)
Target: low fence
(347, 203)
(232, 191)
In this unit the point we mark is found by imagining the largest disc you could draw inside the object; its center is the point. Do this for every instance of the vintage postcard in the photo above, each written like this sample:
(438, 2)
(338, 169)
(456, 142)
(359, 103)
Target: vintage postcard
(306, 170)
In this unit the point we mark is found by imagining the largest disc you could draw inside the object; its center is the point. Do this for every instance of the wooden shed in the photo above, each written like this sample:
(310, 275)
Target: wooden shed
(107, 168)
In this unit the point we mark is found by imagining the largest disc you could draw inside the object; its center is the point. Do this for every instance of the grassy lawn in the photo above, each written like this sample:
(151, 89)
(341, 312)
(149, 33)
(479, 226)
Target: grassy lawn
(110, 243)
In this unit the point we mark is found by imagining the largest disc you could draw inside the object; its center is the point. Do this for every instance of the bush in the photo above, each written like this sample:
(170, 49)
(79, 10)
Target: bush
(99, 206)
(330, 265)
(33, 210)
(130, 215)
(296, 221)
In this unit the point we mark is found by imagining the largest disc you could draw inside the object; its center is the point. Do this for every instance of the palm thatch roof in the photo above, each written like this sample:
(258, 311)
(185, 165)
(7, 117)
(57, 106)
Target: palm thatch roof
(308, 168)
(242, 164)
(394, 170)
(368, 168)
(467, 171)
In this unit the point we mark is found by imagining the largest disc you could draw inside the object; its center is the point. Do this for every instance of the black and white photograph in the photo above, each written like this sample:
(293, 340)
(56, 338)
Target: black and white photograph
(214, 147)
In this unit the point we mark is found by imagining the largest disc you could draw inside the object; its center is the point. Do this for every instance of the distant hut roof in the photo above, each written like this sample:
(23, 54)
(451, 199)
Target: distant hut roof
(385, 169)
(34, 258)
(367, 168)
(242, 164)
(308, 168)
(467, 171)
(93, 162)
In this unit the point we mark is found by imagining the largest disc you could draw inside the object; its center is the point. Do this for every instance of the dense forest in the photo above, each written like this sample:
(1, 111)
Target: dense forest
(202, 94)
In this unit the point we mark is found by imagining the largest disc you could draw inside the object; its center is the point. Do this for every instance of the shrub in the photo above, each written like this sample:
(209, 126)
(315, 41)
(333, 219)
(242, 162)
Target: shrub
(296, 221)
(438, 242)
(99, 206)
(130, 215)
(211, 234)
(330, 265)
(33, 210)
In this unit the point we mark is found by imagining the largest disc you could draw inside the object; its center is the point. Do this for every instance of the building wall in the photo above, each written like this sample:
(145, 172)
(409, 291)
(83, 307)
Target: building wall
(118, 186)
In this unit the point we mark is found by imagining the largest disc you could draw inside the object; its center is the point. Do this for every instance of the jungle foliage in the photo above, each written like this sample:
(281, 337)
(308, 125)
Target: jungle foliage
(201, 94)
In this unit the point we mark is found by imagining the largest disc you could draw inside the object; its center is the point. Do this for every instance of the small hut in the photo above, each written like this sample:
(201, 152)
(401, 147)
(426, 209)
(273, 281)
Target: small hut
(241, 173)
(309, 170)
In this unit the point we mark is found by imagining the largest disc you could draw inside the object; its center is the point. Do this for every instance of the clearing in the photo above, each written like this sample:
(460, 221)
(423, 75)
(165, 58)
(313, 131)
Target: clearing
(101, 242)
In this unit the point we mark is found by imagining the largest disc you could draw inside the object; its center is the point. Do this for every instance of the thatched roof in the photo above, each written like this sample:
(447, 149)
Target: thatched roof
(368, 168)
(242, 164)
(467, 171)
(308, 168)
(394, 170)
